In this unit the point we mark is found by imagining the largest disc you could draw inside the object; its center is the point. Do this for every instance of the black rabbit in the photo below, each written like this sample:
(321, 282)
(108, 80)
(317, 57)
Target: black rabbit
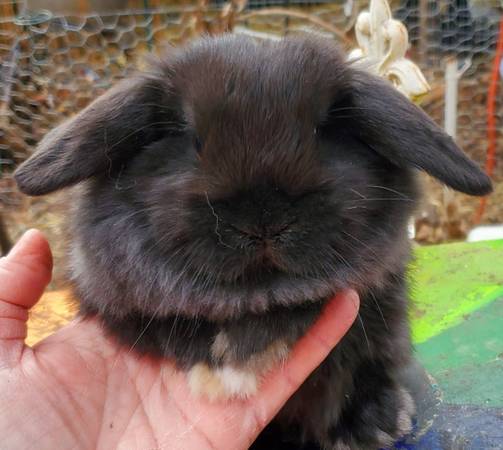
(226, 195)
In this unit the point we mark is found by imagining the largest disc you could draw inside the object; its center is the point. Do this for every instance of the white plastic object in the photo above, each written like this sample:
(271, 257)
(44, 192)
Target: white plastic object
(383, 42)
(485, 233)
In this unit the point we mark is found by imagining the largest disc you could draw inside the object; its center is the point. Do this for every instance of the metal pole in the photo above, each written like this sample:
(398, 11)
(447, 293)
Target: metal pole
(451, 96)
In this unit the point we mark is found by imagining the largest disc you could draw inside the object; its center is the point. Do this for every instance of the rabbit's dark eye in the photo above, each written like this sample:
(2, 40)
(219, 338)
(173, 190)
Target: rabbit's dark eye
(198, 145)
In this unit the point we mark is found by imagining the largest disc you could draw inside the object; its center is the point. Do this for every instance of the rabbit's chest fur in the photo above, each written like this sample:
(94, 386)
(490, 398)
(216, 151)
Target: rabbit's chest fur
(223, 359)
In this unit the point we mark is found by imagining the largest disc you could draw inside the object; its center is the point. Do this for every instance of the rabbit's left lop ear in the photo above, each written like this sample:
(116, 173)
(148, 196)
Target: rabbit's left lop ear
(386, 121)
(115, 126)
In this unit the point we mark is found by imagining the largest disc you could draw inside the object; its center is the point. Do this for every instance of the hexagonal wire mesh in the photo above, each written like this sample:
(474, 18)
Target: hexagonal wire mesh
(53, 65)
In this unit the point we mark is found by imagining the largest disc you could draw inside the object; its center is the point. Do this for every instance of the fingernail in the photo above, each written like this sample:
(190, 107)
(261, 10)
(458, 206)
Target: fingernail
(348, 295)
(354, 298)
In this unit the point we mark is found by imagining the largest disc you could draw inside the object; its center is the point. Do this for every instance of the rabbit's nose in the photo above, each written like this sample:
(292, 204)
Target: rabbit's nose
(272, 231)
(265, 232)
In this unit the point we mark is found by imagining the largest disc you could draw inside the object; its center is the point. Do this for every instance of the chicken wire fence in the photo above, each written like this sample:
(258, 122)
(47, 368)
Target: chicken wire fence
(54, 63)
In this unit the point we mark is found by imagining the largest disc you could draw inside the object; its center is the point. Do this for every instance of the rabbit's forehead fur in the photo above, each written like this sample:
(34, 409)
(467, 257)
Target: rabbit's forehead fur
(254, 104)
(240, 81)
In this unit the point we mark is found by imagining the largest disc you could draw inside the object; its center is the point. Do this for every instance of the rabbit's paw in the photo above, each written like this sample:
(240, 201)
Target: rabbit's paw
(378, 423)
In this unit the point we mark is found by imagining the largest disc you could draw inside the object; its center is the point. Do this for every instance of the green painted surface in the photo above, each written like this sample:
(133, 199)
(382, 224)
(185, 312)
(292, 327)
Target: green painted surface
(457, 319)
(450, 282)
(467, 360)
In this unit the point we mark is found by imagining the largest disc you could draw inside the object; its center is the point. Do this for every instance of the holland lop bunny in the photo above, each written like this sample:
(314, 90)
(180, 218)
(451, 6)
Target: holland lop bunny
(225, 195)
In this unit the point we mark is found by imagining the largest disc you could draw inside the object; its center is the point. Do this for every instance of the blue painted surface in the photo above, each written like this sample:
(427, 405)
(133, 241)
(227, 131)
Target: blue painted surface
(458, 427)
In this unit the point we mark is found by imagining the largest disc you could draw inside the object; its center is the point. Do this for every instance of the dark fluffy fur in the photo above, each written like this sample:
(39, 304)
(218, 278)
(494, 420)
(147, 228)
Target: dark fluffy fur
(238, 186)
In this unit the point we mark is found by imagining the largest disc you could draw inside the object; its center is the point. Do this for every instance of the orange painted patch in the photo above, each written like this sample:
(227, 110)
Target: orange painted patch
(54, 310)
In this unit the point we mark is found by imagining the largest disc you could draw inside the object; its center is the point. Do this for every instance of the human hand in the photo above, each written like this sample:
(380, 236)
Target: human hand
(78, 389)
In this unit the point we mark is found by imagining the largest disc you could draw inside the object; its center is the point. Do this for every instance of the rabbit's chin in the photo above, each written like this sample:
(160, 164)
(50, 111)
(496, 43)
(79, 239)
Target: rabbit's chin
(174, 295)
(118, 290)
(231, 301)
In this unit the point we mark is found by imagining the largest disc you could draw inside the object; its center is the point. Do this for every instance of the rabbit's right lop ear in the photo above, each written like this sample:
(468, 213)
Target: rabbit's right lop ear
(114, 127)
(401, 132)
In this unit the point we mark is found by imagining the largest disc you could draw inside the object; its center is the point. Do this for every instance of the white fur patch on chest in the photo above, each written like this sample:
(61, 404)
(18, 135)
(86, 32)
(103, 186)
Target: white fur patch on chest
(222, 382)
(228, 379)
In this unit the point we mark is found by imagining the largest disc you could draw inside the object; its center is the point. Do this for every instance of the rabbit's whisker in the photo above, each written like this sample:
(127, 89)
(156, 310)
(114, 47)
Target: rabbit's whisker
(217, 222)
(390, 190)
(364, 331)
(379, 309)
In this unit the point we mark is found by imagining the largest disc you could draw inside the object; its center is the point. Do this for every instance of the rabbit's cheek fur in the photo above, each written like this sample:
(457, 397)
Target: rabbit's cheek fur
(226, 195)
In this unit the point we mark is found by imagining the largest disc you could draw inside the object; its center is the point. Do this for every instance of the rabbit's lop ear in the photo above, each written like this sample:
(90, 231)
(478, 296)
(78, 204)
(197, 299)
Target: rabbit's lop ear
(394, 127)
(113, 127)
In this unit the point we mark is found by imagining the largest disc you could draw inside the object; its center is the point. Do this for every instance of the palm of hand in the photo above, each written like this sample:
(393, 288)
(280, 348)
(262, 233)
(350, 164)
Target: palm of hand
(87, 393)
(78, 389)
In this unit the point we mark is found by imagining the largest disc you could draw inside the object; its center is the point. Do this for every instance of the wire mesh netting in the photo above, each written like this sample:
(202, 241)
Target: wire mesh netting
(54, 62)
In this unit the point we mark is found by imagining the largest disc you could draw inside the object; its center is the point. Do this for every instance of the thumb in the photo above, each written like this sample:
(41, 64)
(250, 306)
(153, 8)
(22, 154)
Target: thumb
(24, 274)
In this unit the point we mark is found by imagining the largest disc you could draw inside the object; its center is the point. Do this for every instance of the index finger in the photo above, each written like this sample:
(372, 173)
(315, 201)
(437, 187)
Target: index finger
(306, 356)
